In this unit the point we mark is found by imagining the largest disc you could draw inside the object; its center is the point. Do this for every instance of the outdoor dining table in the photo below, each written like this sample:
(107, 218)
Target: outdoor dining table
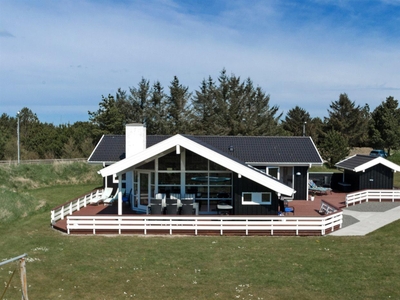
(224, 209)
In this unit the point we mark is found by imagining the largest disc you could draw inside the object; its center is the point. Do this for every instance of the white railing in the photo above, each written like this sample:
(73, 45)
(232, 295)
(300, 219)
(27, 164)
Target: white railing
(68, 208)
(366, 195)
(194, 224)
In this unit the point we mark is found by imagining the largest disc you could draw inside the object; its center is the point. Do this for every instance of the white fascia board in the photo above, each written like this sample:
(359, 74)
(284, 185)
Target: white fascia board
(123, 165)
(279, 164)
(127, 163)
(374, 162)
(94, 150)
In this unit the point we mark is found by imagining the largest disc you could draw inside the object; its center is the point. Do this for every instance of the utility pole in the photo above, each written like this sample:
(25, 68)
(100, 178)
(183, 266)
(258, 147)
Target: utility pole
(18, 137)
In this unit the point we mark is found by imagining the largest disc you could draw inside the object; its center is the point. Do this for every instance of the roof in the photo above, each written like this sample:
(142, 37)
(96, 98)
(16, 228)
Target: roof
(250, 149)
(109, 149)
(359, 163)
(190, 143)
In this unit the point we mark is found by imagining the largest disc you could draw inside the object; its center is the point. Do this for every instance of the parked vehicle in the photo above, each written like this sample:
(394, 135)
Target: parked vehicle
(380, 153)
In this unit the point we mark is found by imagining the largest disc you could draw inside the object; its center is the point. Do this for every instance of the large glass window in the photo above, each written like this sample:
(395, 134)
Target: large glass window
(169, 178)
(216, 167)
(170, 162)
(195, 162)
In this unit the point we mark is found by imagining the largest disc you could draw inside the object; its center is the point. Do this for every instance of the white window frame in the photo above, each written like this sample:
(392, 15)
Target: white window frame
(256, 198)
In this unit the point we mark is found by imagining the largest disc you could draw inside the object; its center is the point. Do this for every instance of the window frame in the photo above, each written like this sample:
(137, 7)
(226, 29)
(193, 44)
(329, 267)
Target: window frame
(256, 198)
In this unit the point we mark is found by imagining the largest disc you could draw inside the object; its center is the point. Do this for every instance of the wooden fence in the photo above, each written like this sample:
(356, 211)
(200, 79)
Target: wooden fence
(376, 195)
(245, 225)
(60, 212)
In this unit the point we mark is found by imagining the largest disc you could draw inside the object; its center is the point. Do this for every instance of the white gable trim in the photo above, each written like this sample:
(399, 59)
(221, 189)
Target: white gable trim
(178, 140)
(376, 161)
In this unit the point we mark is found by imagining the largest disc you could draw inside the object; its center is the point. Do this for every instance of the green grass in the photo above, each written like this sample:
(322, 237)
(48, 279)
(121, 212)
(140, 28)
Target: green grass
(162, 267)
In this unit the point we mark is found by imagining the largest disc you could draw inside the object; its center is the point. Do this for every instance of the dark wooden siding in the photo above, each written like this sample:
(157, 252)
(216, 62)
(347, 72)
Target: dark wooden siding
(376, 177)
(245, 185)
(353, 179)
(300, 183)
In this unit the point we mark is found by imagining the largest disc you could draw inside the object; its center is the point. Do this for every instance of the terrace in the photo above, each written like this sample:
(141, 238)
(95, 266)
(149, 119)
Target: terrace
(78, 217)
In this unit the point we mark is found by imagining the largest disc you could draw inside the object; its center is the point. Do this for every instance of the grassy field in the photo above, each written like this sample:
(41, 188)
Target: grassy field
(161, 267)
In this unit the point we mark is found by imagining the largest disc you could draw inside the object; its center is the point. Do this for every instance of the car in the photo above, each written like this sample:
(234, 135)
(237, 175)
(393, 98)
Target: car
(377, 153)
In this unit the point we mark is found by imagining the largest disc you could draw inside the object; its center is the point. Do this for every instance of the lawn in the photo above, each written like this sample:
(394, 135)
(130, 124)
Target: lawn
(162, 267)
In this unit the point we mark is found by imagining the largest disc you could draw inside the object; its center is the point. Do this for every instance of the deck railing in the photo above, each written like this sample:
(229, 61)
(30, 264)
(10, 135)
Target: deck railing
(366, 195)
(60, 212)
(144, 224)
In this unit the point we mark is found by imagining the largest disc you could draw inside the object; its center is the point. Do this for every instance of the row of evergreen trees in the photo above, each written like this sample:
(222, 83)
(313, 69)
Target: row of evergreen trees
(227, 106)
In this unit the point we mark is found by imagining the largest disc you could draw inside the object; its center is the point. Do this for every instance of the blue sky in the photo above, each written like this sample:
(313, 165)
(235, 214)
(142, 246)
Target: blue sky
(59, 57)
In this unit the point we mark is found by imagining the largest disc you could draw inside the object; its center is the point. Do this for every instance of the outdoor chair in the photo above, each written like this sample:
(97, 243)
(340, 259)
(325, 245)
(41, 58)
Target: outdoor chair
(104, 195)
(288, 209)
(163, 198)
(172, 207)
(187, 208)
(156, 207)
(312, 187)
(111, 199)
(127, 198)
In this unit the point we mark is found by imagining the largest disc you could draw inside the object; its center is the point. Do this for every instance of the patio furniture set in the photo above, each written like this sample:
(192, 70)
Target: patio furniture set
(176, 204)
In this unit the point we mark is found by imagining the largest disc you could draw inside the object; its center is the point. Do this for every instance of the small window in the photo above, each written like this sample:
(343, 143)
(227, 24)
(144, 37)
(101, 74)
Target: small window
(256, 198)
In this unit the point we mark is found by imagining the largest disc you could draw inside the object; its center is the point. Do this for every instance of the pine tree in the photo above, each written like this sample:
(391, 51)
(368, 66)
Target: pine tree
(348, 119)
(177, 107)
(384, 129)
(334, 147)
(156, 111)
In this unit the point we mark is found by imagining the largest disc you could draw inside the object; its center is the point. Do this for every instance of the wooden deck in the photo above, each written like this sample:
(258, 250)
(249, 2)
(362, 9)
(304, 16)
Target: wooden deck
(302, 208)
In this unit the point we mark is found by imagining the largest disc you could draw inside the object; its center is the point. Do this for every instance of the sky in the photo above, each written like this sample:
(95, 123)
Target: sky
(58, 58)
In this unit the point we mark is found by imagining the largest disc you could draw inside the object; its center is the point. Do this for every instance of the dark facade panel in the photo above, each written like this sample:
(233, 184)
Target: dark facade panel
(300, 183)
(245, 185)
(375, 178)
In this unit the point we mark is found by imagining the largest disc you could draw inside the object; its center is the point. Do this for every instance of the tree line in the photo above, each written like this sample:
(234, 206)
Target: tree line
(226, 106)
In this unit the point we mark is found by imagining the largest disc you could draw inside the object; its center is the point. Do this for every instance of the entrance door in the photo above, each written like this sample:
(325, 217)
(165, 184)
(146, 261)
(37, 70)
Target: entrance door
(143, 190)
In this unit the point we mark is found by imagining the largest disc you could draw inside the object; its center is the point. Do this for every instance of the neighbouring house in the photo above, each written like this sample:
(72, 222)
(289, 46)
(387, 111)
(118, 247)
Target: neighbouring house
(366, 172)
(250, 173)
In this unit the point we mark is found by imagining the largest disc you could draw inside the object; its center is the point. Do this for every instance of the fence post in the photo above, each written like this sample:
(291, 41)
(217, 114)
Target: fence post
(23, 279)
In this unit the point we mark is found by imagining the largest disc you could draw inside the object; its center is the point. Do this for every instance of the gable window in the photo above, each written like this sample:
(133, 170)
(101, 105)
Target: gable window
(249, 198)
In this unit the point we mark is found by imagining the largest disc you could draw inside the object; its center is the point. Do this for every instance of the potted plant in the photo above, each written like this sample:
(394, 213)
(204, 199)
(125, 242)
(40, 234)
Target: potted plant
(312, 195)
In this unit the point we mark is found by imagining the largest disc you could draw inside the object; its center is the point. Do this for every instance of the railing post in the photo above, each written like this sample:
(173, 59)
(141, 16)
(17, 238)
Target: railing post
(62, 212)
(52, 217)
